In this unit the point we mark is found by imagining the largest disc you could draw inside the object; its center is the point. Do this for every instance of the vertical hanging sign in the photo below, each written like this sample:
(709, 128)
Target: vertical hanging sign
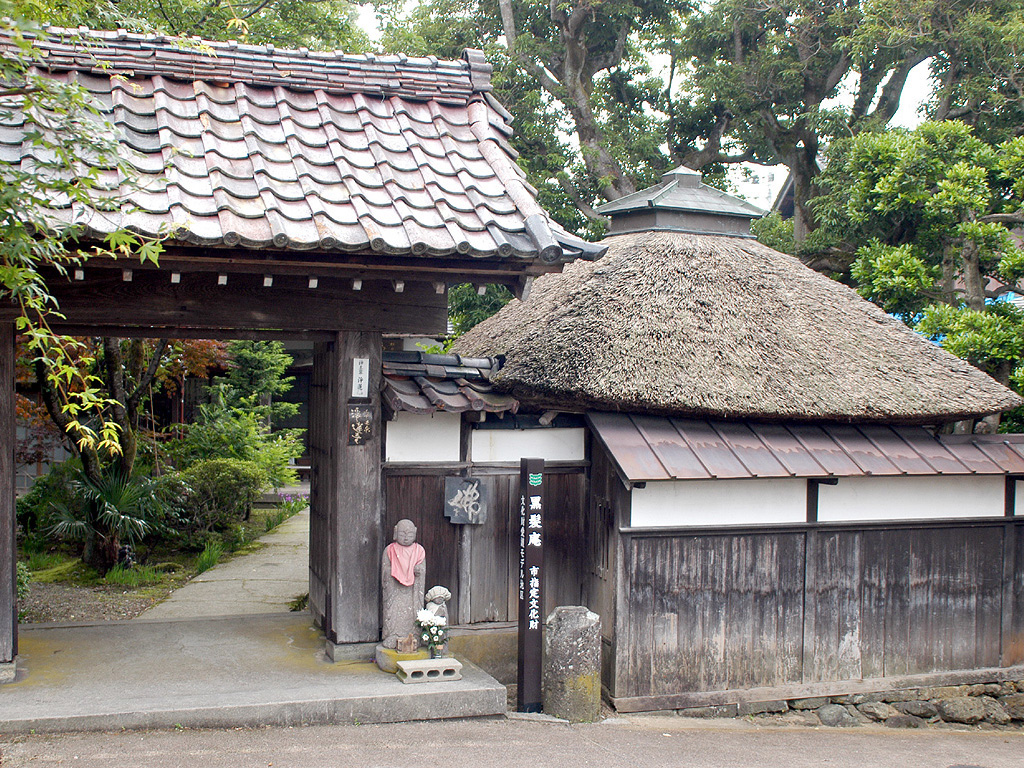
(531, 579)
(360, 378)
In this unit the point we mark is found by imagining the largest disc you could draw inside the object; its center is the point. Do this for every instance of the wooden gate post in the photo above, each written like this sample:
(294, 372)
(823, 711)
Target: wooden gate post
(345, 519)
(8, 552)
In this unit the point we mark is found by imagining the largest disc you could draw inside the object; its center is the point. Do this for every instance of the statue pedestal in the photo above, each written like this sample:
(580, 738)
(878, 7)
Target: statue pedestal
(387, 658)
(429, 670)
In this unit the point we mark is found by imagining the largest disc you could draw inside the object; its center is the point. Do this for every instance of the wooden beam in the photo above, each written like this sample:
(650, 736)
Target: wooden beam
(177, 332)
(346, 501)
(375, 266)
(150, 299)
(359, 502)
(8, 552)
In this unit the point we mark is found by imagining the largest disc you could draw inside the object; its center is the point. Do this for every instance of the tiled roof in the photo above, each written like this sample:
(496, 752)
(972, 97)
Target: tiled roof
(659, 448)
(419, 382)
(247, 146)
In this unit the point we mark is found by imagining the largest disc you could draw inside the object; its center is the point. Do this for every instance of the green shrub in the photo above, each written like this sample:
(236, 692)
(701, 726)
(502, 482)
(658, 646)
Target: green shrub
(135, 576)
(222, 431)
(24, 577)
(58, 487)
(209, 557)
(274, 519)
(222, 491)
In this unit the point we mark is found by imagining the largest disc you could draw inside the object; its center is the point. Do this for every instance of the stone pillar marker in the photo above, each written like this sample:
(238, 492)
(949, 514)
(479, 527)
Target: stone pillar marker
(572, 664)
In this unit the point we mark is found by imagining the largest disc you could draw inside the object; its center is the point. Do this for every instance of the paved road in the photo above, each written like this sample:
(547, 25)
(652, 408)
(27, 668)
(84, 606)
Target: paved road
(644, 742)
(266, 581)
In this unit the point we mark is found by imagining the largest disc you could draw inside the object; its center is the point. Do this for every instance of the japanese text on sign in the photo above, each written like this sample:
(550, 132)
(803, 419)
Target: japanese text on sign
(360, 377)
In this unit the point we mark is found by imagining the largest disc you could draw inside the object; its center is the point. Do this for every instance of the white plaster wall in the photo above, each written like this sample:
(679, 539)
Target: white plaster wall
(766, 501)
(912, 498)
(559, 444)
(1018, 498)
(422, 438)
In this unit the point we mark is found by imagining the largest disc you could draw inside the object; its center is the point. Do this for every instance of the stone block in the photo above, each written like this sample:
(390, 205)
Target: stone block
(8, 670)
(761, 707)
(857, 715)
(877, 710)
(865, 698)
(903, 694)
(388, 658)
(995, 712)
(809, 703)
(835, 715)
(1014, 705)
(923, 709)
(572, 664)
(904, 721)
(961, 709)
(429, 670)
(944, 692)
(720, 710)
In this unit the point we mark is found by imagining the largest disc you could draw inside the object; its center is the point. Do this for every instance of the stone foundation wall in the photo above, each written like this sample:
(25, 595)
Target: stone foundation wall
(995, 704)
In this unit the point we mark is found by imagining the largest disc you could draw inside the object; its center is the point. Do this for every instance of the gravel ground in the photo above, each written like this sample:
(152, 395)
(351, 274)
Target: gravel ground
(59, 602)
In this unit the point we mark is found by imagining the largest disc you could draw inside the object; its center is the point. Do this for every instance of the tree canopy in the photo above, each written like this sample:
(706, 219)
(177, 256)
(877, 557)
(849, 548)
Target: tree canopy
(924, 218)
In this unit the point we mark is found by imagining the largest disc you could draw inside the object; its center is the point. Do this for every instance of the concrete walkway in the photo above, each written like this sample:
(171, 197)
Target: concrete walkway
(224, 672)
(222, 651)
(266, 581)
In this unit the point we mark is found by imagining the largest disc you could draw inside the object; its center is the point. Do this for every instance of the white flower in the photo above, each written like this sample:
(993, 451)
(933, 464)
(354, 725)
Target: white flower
(424, 617)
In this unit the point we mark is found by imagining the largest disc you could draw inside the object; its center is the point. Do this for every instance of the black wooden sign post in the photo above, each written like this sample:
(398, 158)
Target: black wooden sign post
(531, 580)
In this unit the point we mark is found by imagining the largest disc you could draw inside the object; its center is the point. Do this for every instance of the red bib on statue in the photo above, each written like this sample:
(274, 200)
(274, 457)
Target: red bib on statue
(404, 560)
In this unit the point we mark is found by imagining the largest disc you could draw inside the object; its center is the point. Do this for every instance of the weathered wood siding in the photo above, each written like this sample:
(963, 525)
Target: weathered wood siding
(345, 495)
(493, 555)
(791, 607)
(8, 553)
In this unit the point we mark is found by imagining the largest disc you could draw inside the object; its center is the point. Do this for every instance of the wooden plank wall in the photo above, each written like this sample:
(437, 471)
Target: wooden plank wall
(494, 546)
(323, 475)
(717, 611)
(8, 553)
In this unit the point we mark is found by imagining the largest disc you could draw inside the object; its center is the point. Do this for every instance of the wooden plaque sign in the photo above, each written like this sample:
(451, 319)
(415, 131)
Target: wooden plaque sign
(531, 581)
(465, 501)
(360, 424)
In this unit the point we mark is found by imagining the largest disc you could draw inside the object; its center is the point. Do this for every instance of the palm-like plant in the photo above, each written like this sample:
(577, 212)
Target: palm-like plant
(112, 510)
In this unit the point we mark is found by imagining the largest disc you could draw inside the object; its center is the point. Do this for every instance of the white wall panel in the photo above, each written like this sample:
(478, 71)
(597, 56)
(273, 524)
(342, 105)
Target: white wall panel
(929, 497)
(558, 444)
(672, 503)
(422, 438)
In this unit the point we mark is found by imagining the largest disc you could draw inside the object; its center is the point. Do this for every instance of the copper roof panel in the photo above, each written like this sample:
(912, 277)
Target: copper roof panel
(671, 449)
(869, 458)
(824, 450)
(931, 450)
(627, 447)
(714, 453)
(1002, 453)
(788, 450)
(969, 455)
(748, 448)
(906, 459)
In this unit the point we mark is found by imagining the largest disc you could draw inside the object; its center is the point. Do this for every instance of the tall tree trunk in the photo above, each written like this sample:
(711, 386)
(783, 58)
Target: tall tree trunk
(974, 281)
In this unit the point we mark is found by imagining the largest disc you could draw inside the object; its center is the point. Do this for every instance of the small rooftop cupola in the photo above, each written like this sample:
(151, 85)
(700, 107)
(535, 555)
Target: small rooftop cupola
(681, 203)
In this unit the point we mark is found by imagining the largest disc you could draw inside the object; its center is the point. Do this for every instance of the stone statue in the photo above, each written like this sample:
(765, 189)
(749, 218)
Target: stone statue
(436, 598)
(403, 569)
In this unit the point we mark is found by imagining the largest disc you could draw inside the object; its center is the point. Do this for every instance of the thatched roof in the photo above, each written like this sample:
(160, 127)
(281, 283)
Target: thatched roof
(721, 326)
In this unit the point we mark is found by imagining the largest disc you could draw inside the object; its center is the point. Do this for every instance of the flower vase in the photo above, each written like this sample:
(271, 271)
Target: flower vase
(436, 652)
